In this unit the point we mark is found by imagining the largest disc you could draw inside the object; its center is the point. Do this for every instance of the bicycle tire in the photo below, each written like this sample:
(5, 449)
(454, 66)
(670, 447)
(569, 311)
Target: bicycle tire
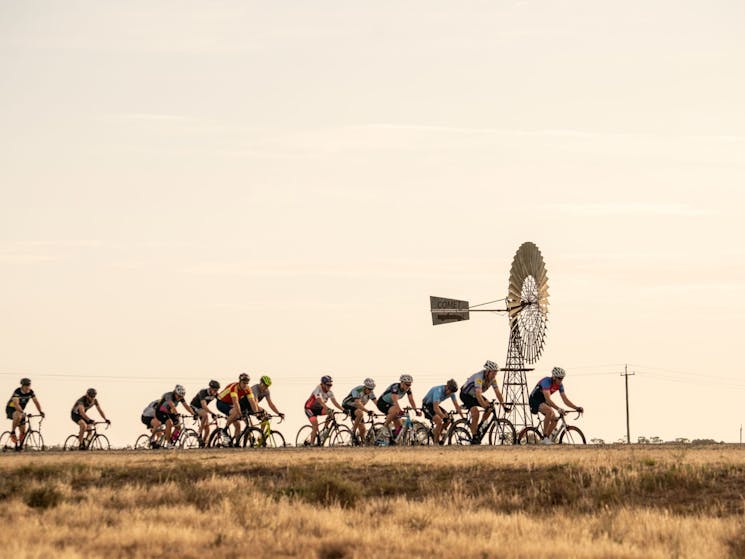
(33, 442)
(342, 436)
(219, 438)
(460, 436)
(5, 442)
(188, 439)
(502, 432)
(530, 436)
(142, 442)
(572, 435)
(275, 440)
(303, 436)
(71, 443)
(100, 442)
(251, 438)
(421, 435)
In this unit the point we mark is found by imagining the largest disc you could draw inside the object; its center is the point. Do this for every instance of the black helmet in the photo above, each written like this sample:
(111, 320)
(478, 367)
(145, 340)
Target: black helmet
(25, 381)
(214, 384)
(452, 385)
(91, 392)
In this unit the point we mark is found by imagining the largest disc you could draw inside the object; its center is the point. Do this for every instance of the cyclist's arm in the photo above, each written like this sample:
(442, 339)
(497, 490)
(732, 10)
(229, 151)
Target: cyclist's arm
(568, 402)
(498, 392)
(189, 408)
(274, 408)
(252, 402)
(36, 403)
(81, 413)
(480, 398)
(548, 401)
(337, 404)
(204, 405)
(413, 403)
(98, 407)
(438, 410)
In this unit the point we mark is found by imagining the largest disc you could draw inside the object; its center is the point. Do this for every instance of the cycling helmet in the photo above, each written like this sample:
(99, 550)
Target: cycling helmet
(244, 377)
(369, 383)
(91, 392)
(266, 380)
(452, 386)
(179, 390)
(406, 378)
(558, 372)
(25, 382)
(326, 379)
(491, 366)
(214, 384)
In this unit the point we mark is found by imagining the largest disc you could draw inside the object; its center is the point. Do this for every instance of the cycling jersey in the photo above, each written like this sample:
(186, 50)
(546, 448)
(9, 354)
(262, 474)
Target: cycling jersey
(478, 381)
(396, 389)
(168, 398)
(23, 398)
(85, 402)
(234, 389)
(149, 411)
(545, 384)
(437, 394)
(358, 393)
(258, 394)
(318, 398)
(204, 394)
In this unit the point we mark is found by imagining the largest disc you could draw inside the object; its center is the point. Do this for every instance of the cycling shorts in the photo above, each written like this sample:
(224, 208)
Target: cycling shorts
(163, 417)
(146, 420)
(469, 401)
(75, 417)
(429, 410)
(535, 403)
(313, 411)
(224, 407)
(350, 411)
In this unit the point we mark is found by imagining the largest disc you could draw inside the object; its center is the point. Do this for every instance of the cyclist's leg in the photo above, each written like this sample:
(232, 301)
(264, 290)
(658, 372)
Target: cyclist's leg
(550, 419)
(472, 405)
(82, 426)
(312, 414)
(204, 423)
(359, 423)
(19, 420)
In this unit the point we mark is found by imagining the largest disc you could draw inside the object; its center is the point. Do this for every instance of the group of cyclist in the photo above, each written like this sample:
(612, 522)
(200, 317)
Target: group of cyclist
(472, 397)
(239, 400)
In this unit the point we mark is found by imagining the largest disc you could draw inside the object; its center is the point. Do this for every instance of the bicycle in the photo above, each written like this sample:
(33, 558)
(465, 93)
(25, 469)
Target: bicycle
(497, 430)
(563, 433)
(32, 439)
(185, 437)
(447, 427)
(332, 433)
(372, 428)
(412, 433)
(219, 436)
(263, 436)
(93, 440)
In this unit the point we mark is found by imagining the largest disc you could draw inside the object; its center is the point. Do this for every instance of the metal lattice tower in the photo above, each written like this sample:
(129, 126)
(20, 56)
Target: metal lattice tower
(515, 384)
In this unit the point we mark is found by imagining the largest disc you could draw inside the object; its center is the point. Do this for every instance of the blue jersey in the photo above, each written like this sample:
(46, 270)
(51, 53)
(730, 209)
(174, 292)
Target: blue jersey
(545, 384)
(437, 394)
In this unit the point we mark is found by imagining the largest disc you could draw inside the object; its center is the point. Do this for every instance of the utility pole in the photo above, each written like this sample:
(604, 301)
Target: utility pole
(627, 374)
(740, 433)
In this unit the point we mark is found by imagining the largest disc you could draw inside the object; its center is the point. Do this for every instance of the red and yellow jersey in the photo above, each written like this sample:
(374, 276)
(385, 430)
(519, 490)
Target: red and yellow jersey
(234, 389)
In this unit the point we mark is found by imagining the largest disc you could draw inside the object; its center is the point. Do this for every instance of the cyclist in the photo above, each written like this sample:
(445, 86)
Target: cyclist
(354, 405)
(260, 391)
(228, 402)
(78, 413)
(433, 410)
(540, 401)
(199, 404)
(167, 413)
(388, 404)
(472, 395)
(315, 405)
(151, 422)
(14, 409)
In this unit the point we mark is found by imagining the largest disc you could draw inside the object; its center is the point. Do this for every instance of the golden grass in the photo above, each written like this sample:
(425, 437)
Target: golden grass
(355, 503)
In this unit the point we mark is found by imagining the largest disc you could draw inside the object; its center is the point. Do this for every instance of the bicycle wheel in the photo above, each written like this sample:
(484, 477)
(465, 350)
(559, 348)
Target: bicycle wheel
(303, 436)
(189, 439)
(572, 435)
(100, 442)
(529, 435)
(71, 443)
(142, 442)
(421, 435)
(275, 440)
(5, 442)
(502, 432)
(34, 441)
(251, 438)
(342, 436)
(460, 436)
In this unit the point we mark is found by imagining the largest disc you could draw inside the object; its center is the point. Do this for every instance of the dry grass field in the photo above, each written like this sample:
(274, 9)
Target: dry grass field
(605, 502)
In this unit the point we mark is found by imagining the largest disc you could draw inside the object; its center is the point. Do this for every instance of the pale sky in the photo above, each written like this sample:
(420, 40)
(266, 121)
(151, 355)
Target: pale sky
(195, 189)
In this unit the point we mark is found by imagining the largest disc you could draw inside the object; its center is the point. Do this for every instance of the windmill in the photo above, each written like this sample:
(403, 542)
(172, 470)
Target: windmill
(526, 306)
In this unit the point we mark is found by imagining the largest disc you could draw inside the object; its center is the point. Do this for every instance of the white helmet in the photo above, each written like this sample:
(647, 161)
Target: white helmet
(369, 383)
(406, 378)
(558, 372)
(180, 390)
(491, 366)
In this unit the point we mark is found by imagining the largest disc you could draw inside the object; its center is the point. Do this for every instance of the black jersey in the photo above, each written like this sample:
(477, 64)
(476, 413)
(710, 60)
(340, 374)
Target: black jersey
(23, 398)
